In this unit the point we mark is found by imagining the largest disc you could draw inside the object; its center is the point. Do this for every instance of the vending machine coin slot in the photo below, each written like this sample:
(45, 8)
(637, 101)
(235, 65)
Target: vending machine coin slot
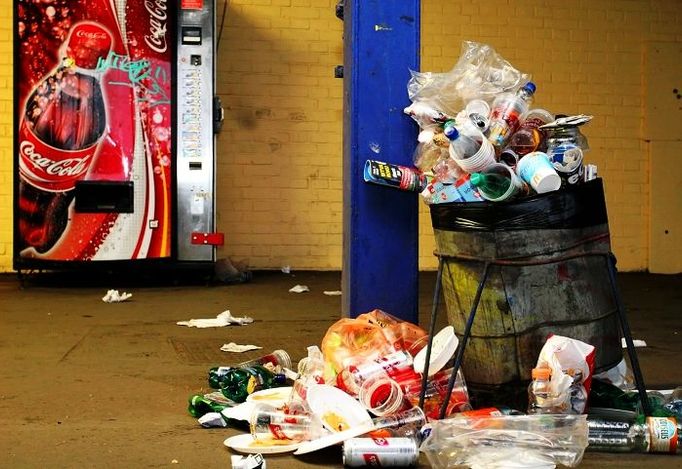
(191, 35)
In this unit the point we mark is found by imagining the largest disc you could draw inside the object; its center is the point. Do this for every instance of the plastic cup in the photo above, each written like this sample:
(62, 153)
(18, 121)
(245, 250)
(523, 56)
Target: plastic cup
(516, 185)
(381, 395)
(436, 393)
(406, 423)
(267, 420)
(483, 158)
(536, 169)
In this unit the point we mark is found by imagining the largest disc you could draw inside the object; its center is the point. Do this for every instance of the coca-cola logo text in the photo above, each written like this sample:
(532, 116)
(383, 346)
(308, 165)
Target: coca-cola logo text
(90, 35)
(67, 167)
(157, 25)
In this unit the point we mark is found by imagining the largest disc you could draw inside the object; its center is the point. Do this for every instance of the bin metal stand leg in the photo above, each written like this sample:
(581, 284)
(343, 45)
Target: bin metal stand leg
(625, 327)
(432, 327)
(463, 342)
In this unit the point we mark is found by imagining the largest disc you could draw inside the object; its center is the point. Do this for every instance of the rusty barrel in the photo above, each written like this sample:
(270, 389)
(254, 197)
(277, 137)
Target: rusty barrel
(547, 277)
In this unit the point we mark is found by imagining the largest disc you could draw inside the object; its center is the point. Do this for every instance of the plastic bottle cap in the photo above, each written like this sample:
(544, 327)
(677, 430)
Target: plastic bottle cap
(476, 179)
(541, 373)
(530, 86)
(451, 132)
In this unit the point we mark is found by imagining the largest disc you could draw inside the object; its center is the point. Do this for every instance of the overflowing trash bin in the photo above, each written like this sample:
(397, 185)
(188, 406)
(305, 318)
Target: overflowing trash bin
(544, 377)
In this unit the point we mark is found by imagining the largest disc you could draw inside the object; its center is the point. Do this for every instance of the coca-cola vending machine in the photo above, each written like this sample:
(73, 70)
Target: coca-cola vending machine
(114, 124)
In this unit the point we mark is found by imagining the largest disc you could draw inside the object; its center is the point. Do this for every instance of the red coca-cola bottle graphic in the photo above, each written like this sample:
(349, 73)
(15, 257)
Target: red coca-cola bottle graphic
(64, 120)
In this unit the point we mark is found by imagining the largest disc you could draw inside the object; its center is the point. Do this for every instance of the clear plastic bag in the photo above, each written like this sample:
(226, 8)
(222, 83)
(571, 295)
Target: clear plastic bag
(480, 73)
(509, 441)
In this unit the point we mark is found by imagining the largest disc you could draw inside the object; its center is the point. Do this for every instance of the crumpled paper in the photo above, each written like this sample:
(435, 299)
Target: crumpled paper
(113, 296)
(299, 289)
(635, 342)
(223, 319)
(252, 461)
(233, 347)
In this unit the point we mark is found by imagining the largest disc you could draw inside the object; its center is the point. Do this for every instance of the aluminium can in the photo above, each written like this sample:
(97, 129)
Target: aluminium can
(380, 452)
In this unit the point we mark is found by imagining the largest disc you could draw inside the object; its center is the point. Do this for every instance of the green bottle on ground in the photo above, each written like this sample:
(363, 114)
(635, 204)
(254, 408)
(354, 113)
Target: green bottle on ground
(238, 383)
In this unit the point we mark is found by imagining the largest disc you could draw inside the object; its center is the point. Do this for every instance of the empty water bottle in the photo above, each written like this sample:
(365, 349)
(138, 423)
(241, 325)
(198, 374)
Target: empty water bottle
(507, 110)
(462, 145)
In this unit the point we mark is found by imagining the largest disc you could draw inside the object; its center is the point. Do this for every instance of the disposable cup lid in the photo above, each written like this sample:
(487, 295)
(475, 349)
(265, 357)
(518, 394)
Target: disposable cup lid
(442, 350)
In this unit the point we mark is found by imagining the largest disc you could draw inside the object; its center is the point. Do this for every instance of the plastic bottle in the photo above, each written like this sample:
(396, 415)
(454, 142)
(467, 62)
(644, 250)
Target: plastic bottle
(492, 185)
(462, 146)
(674, 403)
(506, 113)
(540, 399)
(529, 137)
(238, 383)
(278, 358)
(200, 404)
(498, 182)
(651, 435)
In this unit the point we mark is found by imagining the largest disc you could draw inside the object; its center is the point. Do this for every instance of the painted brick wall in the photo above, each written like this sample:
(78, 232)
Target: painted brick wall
(280, 149)
(6, 175)
(279, 155)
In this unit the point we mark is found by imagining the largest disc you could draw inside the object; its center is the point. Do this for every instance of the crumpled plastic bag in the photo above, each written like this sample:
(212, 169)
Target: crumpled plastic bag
(528, 441)
(565, 356)
(366, 337)
(480, 73)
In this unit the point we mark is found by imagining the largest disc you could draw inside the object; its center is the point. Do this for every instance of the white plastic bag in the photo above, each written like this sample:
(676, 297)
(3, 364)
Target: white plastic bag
(508, 441)
(480, 73)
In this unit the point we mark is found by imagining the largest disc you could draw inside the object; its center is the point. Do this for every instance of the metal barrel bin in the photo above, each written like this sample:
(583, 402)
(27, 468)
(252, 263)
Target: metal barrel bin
(548, 277)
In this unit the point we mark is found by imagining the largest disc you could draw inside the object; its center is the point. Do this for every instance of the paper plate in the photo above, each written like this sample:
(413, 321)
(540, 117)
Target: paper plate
(336, 409)
(442, 349)
(276, 397)
(240, 412)
(245, 443)
(333, 439)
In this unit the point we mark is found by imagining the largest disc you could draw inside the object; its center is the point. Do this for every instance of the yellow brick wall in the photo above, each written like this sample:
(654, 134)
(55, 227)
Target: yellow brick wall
(279, 155)
(280, 150)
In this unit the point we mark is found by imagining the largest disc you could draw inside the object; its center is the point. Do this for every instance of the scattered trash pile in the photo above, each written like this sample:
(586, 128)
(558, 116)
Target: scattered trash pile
(481, 139)
(364, 387)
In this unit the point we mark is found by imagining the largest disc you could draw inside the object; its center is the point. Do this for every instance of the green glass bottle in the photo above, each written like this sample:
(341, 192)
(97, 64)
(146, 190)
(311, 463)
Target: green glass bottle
(278, 358)
(200, 404)
(238, 383)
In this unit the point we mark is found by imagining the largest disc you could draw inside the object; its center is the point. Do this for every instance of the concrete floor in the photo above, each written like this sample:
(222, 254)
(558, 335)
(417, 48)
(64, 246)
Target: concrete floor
(89, 384)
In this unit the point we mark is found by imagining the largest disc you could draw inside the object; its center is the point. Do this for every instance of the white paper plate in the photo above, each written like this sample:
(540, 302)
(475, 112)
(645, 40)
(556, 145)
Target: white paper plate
(276, 397)
(330, 404)
(333, 439)
(239, 412)
(442, 349)
(245, 443)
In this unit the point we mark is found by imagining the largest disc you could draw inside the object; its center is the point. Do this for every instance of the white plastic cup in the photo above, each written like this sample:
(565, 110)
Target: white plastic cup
(483, 158)
(280, 425)
(536, 169)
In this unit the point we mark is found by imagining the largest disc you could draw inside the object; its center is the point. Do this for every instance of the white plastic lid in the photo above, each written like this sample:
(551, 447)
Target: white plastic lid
(442, 350)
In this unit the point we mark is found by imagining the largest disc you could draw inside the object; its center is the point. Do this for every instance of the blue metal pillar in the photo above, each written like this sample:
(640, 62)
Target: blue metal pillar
(380, 224)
